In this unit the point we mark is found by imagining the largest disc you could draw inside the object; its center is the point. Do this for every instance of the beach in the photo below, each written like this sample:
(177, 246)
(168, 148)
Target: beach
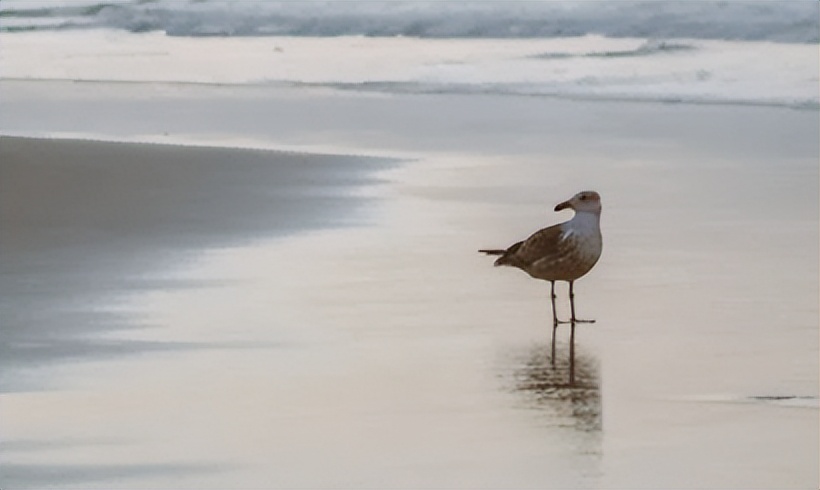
(239, 244)
(197, 317)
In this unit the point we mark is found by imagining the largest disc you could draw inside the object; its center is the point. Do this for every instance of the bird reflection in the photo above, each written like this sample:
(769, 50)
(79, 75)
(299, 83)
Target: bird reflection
(546, 385)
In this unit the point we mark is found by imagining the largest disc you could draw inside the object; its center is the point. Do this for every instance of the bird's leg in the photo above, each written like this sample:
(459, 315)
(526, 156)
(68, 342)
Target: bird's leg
(572, 354)
(554, 321)
(572, 319)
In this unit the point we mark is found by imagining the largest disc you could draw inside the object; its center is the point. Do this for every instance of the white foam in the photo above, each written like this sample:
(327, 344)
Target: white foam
(590, 67)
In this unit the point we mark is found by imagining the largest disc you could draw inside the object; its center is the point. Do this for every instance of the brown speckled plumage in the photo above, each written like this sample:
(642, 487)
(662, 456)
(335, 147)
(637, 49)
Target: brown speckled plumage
(563, 252)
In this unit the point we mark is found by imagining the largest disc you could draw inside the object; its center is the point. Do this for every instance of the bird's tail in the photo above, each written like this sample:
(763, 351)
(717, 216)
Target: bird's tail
(493, 251)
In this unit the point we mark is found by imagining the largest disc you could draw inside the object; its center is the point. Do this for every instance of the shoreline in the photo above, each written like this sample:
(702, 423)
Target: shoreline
(386, 89)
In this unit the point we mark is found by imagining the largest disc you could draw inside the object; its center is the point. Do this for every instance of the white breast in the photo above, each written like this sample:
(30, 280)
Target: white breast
(583, 235)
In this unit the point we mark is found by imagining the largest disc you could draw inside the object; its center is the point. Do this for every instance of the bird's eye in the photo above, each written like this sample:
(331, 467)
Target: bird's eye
(583, 197)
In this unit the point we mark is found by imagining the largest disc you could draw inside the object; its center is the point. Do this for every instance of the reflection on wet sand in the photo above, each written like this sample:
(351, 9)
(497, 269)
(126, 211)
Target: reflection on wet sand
(546, 385)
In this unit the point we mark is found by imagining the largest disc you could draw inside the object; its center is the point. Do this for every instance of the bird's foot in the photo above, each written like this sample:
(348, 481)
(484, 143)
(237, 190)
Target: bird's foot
(576, 320)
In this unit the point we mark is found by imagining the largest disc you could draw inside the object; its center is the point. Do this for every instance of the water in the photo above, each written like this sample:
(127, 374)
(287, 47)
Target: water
(680, 52)
(737, 20)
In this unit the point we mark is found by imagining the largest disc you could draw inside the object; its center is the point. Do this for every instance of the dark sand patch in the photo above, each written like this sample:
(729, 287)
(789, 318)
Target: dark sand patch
(81, 219)
(41, 476)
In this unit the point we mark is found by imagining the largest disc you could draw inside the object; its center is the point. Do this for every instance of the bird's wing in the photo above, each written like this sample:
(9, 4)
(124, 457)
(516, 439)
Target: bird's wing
(513, 248)
(540, 245)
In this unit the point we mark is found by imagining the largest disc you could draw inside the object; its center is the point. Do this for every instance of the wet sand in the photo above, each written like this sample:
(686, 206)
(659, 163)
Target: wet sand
(393, 355)
(85, 220)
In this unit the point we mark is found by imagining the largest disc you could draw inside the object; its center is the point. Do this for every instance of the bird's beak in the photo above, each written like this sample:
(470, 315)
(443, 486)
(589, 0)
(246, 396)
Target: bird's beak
(563, 205)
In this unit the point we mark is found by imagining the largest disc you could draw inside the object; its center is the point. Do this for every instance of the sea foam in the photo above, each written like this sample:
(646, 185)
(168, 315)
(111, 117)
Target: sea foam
(588, 67)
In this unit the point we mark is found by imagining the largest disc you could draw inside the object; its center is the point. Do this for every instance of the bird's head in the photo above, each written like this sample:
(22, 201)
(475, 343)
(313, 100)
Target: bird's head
(583, 202)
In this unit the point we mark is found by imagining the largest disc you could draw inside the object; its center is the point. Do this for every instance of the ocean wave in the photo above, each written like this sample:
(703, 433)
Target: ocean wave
(650, 47)
(466, 89)
(575, 93)
(737, 20)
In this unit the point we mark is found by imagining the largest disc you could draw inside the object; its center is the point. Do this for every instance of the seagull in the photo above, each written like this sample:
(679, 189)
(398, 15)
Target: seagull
(563, 252)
